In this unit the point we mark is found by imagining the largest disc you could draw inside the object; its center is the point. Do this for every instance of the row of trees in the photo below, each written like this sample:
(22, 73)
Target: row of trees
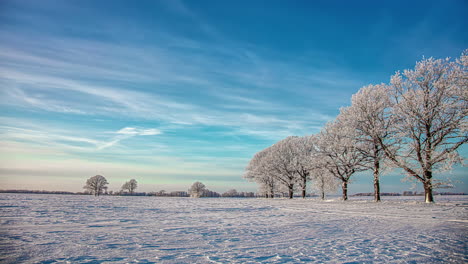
(415, 123)
(199, 189)
(97, 185)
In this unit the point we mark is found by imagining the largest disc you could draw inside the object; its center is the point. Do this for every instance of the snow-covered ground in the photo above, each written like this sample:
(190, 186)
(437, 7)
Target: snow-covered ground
(86, 229)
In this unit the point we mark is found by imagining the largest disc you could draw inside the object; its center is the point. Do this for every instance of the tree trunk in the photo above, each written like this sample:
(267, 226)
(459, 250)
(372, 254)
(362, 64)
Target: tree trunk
(376, 188)
(428, 187)
(304, 187)
(291, 191)
(323, 195)
(376, 181)
(344, 187)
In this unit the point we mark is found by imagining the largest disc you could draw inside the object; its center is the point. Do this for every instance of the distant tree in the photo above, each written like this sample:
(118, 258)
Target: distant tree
(161, 193)
(197, 189)
(208, 193)
(130, 186)
(96, 185)
(231, 193)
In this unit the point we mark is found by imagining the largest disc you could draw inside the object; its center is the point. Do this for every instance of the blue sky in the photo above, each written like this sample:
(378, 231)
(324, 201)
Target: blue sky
(169, 92)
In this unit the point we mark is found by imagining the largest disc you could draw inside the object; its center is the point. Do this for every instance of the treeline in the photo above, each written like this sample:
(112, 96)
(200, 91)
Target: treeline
(415, 123)
(206, 193)
(409, 193)
(97, 185)
(230, 194)
(199, 189)
(38, 192)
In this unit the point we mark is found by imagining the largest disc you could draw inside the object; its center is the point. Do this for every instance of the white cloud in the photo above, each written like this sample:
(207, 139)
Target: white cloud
(150, 132)
(139, 132)
(128, 132)
(236, 85)
(18, 130)
(31, 67)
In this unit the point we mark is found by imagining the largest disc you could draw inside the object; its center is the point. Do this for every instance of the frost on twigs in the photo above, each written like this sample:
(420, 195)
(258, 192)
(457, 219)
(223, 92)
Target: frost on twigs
(338, 152)
(416, 123)
(429, 119)
(282, 168)
(368, 117)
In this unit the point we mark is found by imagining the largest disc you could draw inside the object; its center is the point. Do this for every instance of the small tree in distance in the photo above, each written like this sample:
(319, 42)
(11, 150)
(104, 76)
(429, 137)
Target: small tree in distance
(96, 185)
(231, 193)
(197, 189)
(130, 186)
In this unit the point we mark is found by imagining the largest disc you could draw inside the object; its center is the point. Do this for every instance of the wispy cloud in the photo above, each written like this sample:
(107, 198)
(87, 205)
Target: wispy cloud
(138, 131)
(172, 105)
(65, 140)
(128, 132)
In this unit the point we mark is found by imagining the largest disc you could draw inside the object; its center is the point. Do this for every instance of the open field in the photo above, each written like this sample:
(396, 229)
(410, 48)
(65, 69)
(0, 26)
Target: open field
(86, 229)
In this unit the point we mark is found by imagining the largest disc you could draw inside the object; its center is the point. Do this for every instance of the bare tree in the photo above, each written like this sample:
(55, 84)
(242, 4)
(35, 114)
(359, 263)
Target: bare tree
(430, 115)
(96, 185)
(130, 186)
(197, 189)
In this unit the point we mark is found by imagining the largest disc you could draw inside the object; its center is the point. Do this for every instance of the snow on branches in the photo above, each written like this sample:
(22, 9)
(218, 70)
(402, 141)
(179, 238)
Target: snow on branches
(416, 123)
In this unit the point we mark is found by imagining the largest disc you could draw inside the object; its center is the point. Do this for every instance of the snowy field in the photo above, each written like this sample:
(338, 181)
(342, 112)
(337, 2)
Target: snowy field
(84, 229)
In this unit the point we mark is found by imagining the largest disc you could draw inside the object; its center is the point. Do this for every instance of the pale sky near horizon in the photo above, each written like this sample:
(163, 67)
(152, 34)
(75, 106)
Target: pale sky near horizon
(171, 92)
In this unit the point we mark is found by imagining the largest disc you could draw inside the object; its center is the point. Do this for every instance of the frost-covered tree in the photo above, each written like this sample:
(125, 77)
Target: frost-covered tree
(96, 185)
(259, 170)
(231, 193)
(302, 149)
(323, 182)
(280, 167)
(281, 163)
(339, 155)
(430, 119)
(130, 186)
(369, 116)
(283, 166)
(197, 189)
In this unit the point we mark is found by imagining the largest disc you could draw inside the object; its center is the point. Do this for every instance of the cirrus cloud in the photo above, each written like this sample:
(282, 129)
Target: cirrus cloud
(133, 131)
